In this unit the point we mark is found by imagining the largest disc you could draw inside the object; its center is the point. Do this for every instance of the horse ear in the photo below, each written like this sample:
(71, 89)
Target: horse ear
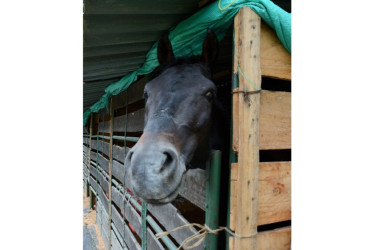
(210, 47)
(164, 50)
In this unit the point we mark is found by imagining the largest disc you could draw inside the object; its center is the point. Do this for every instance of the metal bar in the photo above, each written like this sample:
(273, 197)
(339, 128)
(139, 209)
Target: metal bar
(212, 198)
(169, 244)
(126, 138)
(144, 225)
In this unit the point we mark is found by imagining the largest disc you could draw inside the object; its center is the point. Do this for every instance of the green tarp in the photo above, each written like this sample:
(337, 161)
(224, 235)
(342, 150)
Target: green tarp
(187, 38)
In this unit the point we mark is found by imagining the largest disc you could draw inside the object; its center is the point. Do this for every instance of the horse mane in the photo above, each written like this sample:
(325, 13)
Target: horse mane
(205, 69)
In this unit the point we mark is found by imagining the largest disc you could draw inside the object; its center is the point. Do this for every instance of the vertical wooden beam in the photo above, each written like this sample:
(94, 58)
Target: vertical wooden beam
(110, 167)
(247, 31)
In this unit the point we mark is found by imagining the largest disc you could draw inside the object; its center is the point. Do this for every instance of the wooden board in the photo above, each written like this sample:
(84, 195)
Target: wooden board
(130, 213)
(134, 94)
(116, 245)
(170, 218)
(118, 171)
(279, 239)
(274, 193)
(93, 144)
(104, 163)
(247, 27)
(152, 242)
(119, 153)
(129, 238)
(275, 59)
(135, 122)
(103, 147)
(104, 126)
(193, 187)
(275, 121)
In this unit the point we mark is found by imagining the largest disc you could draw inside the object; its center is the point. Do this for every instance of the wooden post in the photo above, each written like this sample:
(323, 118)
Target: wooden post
(247, 26)
(110, 167)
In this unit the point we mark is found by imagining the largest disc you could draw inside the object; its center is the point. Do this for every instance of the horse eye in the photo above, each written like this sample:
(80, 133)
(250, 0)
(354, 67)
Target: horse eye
(145, 95)
(209, 95)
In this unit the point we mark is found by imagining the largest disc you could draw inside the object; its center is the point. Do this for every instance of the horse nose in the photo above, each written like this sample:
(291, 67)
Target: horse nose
(154, 159)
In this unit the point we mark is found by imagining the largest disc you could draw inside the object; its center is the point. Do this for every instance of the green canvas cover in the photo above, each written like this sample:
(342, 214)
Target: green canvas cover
(191, 33)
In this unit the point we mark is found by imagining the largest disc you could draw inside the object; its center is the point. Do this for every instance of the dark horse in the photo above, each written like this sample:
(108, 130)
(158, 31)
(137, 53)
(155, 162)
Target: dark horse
(183, 122)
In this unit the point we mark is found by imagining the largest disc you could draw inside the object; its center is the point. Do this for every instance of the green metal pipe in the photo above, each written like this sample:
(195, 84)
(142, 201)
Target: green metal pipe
(144, 225)
(213, 173)
(126, 138)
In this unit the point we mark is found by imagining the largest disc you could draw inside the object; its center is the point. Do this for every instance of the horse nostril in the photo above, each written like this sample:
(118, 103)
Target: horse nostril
(128, 158)
(168, 163)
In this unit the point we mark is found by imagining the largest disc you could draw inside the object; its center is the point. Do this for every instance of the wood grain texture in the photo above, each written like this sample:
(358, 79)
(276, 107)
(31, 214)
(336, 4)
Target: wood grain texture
(130, 213)
(118, 172)
(134, 94)
(131, 217)
(119, 153)
(170, 218)
(275, 120)
(275, 59)
(279, 239)
(104, 163)
(247, 30)
(274, 201)
(152, 242)
(193, 187)
(135, 122)
(274, 195)
(116, 245)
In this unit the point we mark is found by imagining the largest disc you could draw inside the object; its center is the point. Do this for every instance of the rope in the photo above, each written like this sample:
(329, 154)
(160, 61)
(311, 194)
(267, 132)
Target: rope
(200, 235)
(219, 5)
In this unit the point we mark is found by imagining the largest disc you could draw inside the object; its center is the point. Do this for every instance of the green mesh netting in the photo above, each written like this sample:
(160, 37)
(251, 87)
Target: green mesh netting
(191, 33)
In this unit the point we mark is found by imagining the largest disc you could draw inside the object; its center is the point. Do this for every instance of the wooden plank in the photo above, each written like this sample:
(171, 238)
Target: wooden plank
(129, 237)
(103, 147)
(131, 216)
(130, 213)
(279, 239)
(93, 144)
(116, 245)
(274, 193)
(170, 218)
(275, 120)
(247, 29)
(275, 59)
(93, 156)
(93, 184)
(274, 202)
(135, 122)
(104, 126)
(119, 153)
(118, 171)
(193, 187)
(104, 163)
(103, 199)
(152, 242)
(134, 94)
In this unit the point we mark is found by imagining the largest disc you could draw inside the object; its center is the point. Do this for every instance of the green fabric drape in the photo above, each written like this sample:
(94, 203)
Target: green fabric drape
(187, 38)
